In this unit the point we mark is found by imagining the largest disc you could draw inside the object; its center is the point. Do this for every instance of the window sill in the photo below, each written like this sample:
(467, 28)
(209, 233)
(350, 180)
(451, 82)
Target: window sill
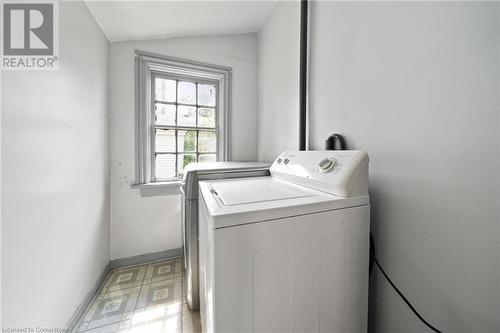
(158, 188)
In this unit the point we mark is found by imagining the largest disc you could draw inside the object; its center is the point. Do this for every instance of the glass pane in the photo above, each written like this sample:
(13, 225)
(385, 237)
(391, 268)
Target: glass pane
(165, 114)
(183, 160)
(207, 142)
(206, 94)
(186, 115)
(165, 90)
(207, 158)
(206, 117)
(186, 141)
(186, 92)
(165, 141)
(165, 166)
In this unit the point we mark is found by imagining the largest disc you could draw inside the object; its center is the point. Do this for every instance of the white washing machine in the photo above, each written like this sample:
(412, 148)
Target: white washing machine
(288, 252)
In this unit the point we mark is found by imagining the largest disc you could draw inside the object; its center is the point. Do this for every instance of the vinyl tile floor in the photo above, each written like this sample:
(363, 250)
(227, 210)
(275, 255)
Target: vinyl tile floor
(141, 299)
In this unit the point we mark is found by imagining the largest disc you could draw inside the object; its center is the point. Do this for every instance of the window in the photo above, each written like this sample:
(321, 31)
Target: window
(182, 114)
(185, 124)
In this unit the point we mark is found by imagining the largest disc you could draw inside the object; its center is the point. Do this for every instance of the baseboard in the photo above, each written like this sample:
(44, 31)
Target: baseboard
(145, 258)
(114, 264)
(87, 300)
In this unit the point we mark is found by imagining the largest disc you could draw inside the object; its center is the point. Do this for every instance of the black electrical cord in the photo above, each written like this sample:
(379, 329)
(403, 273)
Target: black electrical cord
(373, 260)
(331, 144)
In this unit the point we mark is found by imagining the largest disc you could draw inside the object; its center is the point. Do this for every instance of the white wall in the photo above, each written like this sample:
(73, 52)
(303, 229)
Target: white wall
(152, 224)
(55, 179)
(416, 85)
(279, 81)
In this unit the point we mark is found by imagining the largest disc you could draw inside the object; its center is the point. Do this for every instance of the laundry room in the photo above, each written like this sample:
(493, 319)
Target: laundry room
(250, 166)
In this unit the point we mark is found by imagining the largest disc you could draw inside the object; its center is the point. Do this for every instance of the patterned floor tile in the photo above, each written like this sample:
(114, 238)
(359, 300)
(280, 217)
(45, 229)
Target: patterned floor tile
(109, 309)
(165, 291)
(124, 279)
(104, 329)
(146, 298)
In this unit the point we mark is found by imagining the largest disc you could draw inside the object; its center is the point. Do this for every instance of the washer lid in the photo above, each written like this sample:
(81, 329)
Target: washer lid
(238, 192)
(233, 202)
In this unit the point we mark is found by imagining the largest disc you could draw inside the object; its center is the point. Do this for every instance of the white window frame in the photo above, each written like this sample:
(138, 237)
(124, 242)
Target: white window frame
(146, 64)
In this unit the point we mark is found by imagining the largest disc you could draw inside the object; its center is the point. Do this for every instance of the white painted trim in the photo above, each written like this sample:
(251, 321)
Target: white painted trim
(158, 188)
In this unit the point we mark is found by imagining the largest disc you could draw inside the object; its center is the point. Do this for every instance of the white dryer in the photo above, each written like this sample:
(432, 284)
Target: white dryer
(288, 252)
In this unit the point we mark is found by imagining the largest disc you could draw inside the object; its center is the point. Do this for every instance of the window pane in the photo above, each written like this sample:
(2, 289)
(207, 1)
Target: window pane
(183, 160)
(165, 141)
(186, 92)
(165, 90)
(186, 141)
(207, 142)
(165, 166)
(206, 94)
(206, 117)
(165, 114)
(186, 115)
(207, 158)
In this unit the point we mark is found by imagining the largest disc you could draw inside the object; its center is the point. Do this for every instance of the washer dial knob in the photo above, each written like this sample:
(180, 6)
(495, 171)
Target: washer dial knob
(326, 165)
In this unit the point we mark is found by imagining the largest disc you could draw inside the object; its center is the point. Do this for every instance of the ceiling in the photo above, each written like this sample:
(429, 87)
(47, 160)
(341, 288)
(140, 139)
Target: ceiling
(135, 20)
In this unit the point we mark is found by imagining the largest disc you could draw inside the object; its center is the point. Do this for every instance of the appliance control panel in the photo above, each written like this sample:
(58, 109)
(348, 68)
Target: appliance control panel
(340, 172)
(327, 164)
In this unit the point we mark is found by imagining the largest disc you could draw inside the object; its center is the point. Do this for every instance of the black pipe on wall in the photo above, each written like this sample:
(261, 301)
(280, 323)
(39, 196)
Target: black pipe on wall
(303, 75)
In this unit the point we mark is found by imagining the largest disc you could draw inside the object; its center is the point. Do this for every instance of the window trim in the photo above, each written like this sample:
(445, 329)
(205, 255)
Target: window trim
(146, 66)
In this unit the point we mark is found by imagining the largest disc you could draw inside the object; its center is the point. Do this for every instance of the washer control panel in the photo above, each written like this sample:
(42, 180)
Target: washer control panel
(327, 164)
(334, 171)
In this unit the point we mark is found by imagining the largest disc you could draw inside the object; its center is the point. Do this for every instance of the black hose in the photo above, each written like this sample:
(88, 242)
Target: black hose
(335, 142)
